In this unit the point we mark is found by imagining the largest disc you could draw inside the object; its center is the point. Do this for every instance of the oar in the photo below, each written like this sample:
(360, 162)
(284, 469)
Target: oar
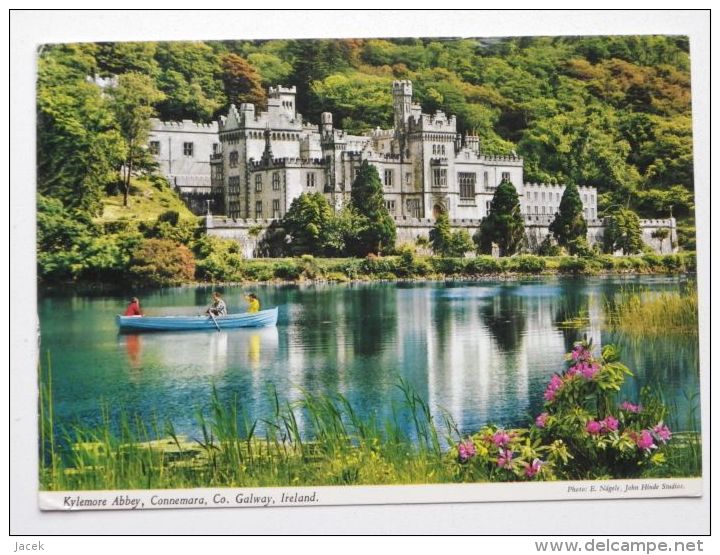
(214, 321)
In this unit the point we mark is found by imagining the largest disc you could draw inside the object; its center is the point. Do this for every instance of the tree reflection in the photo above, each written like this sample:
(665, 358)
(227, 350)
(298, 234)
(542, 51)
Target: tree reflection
(505, 316)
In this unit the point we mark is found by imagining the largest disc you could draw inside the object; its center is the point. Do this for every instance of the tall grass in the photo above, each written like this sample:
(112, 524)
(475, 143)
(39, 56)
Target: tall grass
(644, 313)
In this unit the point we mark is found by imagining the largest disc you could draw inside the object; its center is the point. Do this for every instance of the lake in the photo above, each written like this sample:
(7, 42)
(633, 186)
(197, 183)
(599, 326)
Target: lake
(482, 351)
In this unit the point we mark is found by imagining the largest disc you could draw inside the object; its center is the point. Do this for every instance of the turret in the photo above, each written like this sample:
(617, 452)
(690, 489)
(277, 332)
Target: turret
(284, 99)
(402, 102)
(326, 121)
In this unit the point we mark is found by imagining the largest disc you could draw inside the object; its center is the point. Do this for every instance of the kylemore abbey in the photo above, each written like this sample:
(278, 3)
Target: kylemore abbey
(246, 169)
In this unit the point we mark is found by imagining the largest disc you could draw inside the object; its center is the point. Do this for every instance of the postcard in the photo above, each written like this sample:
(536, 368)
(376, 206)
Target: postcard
(304, 272)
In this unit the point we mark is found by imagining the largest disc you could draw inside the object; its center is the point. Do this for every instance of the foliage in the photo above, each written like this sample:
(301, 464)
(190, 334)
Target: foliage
(569, 223)
(504, 224)
(79, 147)
(446, 242)
(312, 227)
(161, 262)
(622, 232)
(373, 229)
(601, 437)
(133, 101)
(241, 81)
(643, 314)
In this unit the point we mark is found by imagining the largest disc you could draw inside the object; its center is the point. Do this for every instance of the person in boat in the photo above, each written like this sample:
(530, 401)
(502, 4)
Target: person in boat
(218, 307)
(253, 302)
(133, 309)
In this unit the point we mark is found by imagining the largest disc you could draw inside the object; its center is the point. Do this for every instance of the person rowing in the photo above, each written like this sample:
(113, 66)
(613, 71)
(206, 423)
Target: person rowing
(133, 309)
(218, 307)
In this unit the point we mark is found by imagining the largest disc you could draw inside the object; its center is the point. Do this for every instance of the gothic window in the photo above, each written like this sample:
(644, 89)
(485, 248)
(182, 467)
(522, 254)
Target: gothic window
(543, 209)
(234, 157)
(258, 183)
(487, 206)
(536, 208)
(276, 181)
(467, 186)
(408, 178)
(442, 150)
(276, 208)
(310, 179)
(188, 149)
(434, 149)
(390, 205)
(542, 195)
(439, 177)
(155, 147)
(506, 176)
(536, 196)
(234, 184)
(486, 180)
(258, 209)
(216, 148)
(557, 197)
(388, 178)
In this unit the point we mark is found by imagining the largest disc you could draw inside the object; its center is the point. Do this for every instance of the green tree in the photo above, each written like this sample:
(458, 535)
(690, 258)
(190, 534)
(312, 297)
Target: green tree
(133, 101)
(79, 147)
(312, 226)
(661, 234)
(446, 242)
(373, 227)
(569, 224)
(622, 232)
(504, 224)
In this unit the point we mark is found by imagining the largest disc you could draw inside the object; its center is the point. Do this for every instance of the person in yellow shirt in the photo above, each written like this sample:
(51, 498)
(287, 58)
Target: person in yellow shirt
(253, 302)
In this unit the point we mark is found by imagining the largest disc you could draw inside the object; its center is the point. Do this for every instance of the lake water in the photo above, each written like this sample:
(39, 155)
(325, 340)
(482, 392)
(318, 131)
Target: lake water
(483, 351)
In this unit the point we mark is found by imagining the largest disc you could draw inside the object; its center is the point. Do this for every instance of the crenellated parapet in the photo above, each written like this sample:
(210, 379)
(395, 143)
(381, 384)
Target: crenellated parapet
(255, 165)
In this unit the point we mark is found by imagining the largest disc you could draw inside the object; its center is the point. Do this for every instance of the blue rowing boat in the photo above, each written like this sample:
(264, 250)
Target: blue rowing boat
(261, 319)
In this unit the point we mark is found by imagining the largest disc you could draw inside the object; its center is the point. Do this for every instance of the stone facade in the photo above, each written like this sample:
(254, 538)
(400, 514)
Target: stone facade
(269, 158)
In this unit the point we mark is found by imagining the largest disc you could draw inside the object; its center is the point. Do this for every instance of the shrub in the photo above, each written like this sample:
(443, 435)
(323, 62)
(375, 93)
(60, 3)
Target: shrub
(483, 265)
(257, 271)
(288, 270)
(161, 262)
(449, 266)
(574, 265)
(653, 261)
(583, 431)
(673, 262)
(689, 261)
(528, 264)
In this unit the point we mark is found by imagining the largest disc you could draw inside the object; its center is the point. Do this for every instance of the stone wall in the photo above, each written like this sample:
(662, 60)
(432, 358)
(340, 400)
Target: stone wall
(249, 235)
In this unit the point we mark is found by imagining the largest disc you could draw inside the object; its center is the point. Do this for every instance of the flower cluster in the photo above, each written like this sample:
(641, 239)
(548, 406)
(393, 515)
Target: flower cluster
(466, 450)
(583, 363)
(646, 440)
(505, 459)
(604, 426)
(553, 387)
(627, 406)
(533, 468)
(541, 420)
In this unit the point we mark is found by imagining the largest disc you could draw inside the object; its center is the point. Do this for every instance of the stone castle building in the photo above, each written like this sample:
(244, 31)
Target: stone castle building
(249, 167)
(267, 159)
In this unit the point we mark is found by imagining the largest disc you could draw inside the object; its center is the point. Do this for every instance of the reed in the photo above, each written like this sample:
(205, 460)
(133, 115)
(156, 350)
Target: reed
(643, 313)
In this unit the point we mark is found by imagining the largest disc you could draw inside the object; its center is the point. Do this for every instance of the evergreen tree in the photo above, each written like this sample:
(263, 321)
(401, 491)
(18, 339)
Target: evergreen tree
(373, 227)
(622, 232)
(569, 224)
(504, 224)
(441, 234)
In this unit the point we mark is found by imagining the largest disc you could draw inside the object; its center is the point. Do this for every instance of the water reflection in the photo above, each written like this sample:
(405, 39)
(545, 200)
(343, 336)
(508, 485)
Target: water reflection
(483, 351)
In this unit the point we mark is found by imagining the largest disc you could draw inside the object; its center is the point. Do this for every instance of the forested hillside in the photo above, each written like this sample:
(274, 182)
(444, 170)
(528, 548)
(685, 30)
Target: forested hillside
(610, 112)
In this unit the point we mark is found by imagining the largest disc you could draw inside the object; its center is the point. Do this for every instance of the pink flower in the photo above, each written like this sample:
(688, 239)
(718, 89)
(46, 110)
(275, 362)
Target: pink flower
(593, 427)
(532, 469)
(553, 387)
(662, 432)
(644, 440)
(609, 424)
(466, 450)
(627, 406)
(505, 459)
(541, 420)
(501, 438)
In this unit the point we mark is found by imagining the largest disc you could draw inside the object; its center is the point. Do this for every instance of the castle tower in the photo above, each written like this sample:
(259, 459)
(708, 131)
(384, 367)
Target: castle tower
(284, 99)
(402, 103)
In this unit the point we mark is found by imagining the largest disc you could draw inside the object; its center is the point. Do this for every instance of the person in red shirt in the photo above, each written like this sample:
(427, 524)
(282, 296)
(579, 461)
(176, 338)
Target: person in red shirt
(133, 309)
